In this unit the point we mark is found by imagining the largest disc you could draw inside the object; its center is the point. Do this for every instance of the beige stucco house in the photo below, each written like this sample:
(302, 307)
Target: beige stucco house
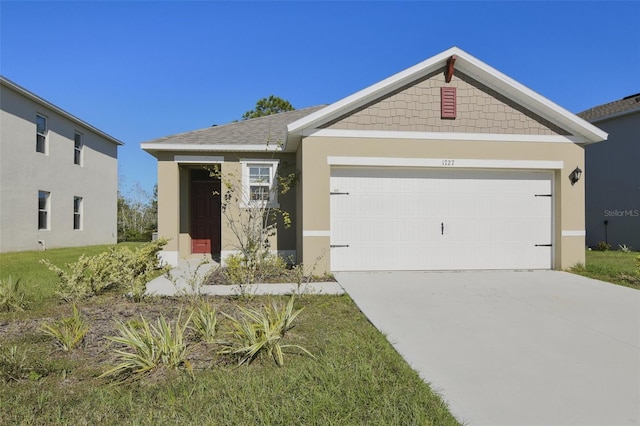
(58, 176)
(447, 165)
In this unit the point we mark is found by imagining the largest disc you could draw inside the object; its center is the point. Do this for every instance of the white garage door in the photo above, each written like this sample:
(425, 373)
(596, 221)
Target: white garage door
(434, 219)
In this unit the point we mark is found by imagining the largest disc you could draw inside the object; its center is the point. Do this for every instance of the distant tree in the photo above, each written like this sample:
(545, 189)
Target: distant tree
(268, 106)
(137, 214)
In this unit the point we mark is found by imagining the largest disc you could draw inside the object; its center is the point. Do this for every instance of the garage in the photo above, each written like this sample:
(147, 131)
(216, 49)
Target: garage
(403, 218)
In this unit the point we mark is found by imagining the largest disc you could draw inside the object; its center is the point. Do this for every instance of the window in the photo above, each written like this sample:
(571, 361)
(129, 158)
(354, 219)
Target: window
(77, 148)
(258, 182)
(77, 212)
(43, 209)
(41, 134)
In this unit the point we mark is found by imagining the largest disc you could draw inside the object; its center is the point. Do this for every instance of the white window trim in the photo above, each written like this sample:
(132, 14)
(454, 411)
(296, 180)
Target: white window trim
(47, 210)
(246, 193)
(81, 149)
(45, 135)
(79, 213)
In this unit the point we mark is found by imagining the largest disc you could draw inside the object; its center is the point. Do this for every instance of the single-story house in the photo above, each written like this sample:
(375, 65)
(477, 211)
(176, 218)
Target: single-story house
(613, 178)
(447, 165)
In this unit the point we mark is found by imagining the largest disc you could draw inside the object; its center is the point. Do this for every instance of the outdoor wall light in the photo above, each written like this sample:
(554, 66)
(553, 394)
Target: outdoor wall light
(575, 175)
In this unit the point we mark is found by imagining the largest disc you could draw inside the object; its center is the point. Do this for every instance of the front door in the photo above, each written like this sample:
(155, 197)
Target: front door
(205, 213)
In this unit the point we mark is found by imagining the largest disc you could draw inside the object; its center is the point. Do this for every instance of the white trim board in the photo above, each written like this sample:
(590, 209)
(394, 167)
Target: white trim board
(316, 233)
(441, 136)
(574, 233)
(198, 159)
(444, 163)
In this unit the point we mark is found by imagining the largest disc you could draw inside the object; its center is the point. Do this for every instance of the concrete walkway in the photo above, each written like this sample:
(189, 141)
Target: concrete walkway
(190, 273)
(513, 348)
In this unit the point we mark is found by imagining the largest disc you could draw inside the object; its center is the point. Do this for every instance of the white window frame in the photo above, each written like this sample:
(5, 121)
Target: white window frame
(246, 184)
(46, 210)
(78, 151)
(42, 135)
(78, 212)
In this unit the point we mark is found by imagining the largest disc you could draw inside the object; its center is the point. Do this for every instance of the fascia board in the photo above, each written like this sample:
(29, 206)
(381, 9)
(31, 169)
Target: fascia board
(149, 147)
(37, 99)
(615, 115)
(535, 102)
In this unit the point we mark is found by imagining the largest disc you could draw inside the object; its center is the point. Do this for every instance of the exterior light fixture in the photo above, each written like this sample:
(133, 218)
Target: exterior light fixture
(575, 175)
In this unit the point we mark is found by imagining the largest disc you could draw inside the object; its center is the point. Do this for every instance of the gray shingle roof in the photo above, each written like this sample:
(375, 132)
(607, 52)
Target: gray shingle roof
(628, 103)
(270, 128)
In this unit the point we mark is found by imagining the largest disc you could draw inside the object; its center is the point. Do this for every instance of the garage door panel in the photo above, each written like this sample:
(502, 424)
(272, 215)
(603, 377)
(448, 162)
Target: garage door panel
(393, 219)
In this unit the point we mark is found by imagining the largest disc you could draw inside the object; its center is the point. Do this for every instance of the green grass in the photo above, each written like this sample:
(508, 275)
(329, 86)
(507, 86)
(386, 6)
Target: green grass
(615, 267)
(355, 377)
(37, 280)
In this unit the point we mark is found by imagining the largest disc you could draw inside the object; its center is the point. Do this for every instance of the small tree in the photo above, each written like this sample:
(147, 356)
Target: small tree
(252, 223)
(268, 106)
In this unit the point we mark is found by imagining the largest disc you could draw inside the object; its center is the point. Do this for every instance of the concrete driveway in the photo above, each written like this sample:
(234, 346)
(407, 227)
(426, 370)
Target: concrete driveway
(513, 348)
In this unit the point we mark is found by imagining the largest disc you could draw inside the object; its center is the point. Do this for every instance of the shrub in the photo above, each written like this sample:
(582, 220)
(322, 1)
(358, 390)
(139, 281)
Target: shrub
(11, 297)
(117, 267)
(604, 246)
(205, 321)
(153, 346)
(68, 332)
(13, 365)
(261, 331)
(241, 271)
(624, 248)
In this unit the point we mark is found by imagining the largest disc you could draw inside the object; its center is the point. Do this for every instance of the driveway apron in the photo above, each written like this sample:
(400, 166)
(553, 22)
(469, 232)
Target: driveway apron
(511, 347)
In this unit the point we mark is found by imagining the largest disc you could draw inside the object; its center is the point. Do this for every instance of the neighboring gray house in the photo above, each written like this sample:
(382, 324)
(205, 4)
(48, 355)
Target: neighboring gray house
(612, 175)
(58, 176)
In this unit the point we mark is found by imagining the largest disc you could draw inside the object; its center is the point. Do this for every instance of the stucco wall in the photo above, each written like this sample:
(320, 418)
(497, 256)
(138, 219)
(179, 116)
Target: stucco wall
(24, 172)
(569, 200)
(417, 108)
(612, 176)
(174, 197)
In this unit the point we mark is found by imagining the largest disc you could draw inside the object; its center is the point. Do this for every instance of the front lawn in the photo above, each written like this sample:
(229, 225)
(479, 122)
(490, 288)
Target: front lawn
(615, 267)
(355, 376)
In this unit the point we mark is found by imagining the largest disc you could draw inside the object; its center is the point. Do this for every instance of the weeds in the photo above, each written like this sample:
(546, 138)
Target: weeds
(153, 347)
(11, 296)
(256, 332)
(68, 332)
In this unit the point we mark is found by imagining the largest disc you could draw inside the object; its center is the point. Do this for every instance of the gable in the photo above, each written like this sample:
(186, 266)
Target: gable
(491, 103)
(417, 108)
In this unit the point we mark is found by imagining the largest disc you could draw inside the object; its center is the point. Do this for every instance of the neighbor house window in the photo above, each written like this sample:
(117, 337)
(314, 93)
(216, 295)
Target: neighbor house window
(258, 182)
(41, 134)
(77, 212)
(77, 148)
(44, 207)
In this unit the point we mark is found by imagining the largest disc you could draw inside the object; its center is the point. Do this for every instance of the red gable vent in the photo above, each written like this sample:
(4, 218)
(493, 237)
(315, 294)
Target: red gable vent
(448, 102)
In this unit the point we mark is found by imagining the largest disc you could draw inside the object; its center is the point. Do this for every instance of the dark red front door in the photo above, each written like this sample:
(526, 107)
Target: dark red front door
(205, 213)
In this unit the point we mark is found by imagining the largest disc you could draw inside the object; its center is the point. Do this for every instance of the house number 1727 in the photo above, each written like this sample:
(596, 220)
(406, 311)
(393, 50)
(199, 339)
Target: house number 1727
(447, 162)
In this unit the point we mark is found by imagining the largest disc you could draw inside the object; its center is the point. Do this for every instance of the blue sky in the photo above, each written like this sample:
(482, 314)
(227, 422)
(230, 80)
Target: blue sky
(143, 70)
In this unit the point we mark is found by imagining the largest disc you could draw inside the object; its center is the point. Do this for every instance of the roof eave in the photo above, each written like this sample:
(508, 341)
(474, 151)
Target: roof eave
(151, 147)
(30, 95)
